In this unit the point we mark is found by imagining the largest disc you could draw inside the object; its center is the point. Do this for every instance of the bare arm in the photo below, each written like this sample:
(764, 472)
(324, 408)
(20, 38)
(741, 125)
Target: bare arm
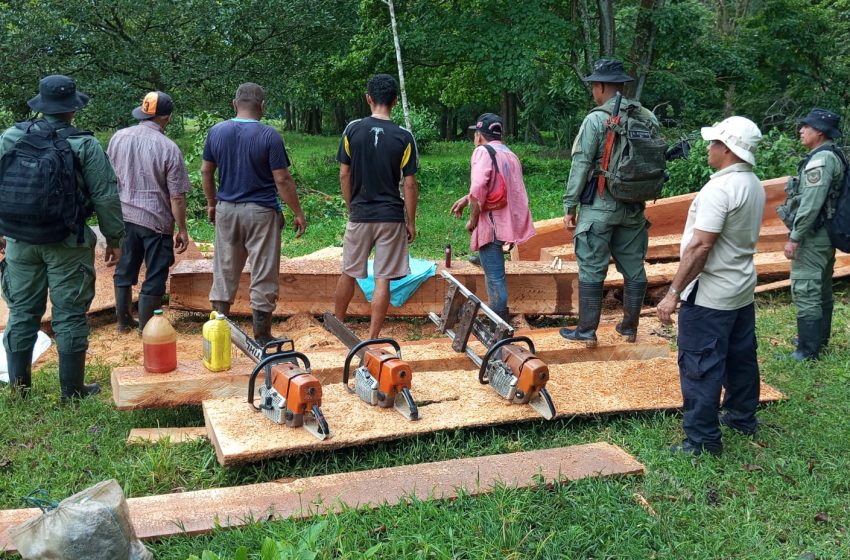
(691, 264)
(474, 212)
(411, 200)
(208, 183)
(345, 184)
(178, 209)
(287, 191)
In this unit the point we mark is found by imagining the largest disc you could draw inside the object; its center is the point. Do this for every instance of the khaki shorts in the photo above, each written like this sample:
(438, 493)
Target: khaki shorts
(389, 240)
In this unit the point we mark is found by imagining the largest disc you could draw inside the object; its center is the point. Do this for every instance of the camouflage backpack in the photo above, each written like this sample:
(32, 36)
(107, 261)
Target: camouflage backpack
(636, 170)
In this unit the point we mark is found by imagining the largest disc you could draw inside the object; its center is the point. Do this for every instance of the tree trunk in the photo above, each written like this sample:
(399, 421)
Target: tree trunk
(340, 118)
(581, 7)
(643, 48)
(314, 119)
(509, 114)
(404, 106)
(290, 116)
(444, 122)
(607, 38)
(728, 105)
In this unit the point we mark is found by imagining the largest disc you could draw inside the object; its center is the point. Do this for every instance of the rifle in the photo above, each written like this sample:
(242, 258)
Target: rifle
(610, 138)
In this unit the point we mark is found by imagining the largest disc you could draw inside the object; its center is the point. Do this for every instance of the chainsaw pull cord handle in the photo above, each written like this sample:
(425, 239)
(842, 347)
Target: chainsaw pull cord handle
(266, 365)
(346, 368)
(482, 373)
(610, 138)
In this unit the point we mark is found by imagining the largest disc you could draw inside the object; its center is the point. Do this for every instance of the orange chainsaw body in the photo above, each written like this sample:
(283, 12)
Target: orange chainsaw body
(532, 373)
(393, 373)
(300, 389)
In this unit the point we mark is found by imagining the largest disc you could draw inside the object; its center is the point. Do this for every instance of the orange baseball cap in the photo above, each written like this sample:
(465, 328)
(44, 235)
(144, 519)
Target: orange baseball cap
(155, 104)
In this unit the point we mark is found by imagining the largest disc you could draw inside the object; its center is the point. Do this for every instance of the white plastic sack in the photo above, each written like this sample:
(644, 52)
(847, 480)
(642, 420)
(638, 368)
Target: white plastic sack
(42, 343)
(92, 525)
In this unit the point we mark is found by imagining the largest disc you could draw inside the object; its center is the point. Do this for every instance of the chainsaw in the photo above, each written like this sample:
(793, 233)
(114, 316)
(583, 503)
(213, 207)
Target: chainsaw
(383, 378)
(290, 394)
(514, 372)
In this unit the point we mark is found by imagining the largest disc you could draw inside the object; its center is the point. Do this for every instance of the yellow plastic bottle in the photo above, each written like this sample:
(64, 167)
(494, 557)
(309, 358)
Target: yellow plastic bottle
(216, 334)
(159, 341)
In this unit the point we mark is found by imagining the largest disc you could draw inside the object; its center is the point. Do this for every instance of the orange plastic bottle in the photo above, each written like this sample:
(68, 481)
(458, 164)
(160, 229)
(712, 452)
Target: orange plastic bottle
(159, 341)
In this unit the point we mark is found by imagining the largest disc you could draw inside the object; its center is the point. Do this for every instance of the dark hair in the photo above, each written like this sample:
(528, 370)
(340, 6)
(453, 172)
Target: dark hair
(487, 136)
(383, 89)
(250, 94)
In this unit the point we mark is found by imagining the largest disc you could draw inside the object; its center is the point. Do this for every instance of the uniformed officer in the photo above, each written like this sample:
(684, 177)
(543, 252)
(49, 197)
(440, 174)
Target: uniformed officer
(809, 248)
(606, 226)
(66, 267)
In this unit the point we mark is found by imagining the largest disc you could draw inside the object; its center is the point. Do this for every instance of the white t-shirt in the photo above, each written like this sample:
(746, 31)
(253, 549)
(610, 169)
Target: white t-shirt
(731, 204)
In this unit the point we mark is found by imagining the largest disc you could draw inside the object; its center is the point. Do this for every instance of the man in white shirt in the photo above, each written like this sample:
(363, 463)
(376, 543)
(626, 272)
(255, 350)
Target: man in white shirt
(715, 283)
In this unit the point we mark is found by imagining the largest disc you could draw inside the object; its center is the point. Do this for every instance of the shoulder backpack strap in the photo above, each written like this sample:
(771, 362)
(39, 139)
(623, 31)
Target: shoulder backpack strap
(492, 151)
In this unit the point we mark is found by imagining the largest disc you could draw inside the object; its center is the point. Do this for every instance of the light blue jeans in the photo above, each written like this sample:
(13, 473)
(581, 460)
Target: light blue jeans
(493, 263)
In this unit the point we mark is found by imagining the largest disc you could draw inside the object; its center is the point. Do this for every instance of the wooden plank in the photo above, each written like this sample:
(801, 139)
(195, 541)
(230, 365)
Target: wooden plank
(456, 400)
(308, 286)
(193, 513)
(533, 287)
(104, 291)
(666, 216)
(841, 272)
(174, 435)
(666, 247)
(191, 383)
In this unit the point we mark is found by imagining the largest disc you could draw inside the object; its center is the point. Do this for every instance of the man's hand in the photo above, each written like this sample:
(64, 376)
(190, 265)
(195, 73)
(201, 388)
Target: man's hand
(300, 224)
(666, 307)
(2, 245)
(181, 242)
(459, 205)
(411, 232)
(470, 227)
(791, 250)
(112, 256)
(211, 213)
(570, 221)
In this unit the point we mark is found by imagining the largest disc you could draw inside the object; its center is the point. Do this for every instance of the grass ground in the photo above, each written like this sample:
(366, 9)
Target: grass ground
(783, 495)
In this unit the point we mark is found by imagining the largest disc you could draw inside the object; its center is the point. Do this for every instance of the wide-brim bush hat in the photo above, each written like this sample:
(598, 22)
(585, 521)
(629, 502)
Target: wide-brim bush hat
(824, 121)
(609, 71)
(739, 134)
(58, 94)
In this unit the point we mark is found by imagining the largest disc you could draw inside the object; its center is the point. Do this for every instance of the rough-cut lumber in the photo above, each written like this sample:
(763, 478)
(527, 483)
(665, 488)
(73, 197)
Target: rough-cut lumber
(309, 286)
(666, 247)
(841, 272)
(455, 400)
(174, 435)
(192, 513)
(533, 287)
(192, 383)
(104, 292)
(666, 216)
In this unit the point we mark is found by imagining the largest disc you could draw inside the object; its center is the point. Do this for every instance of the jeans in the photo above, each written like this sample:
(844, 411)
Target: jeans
(493, 263)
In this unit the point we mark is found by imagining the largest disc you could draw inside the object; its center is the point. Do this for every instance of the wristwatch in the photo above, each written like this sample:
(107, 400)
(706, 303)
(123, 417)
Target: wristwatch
(675, 292)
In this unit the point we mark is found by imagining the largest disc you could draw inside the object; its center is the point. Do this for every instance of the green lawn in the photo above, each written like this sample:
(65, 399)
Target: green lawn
(785, 495)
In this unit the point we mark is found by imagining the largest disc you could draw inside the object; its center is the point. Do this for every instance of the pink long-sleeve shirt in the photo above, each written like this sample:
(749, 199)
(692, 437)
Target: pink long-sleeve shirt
(513, 223)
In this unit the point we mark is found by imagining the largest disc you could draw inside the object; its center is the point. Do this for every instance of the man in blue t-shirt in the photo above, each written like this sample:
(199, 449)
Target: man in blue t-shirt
(374, 153)
(253, 170)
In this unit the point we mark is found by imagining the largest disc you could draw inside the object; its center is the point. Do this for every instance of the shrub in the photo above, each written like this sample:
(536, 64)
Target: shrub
(423, 122)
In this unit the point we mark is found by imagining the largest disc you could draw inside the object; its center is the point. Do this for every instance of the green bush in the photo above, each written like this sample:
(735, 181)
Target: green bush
(423, 122)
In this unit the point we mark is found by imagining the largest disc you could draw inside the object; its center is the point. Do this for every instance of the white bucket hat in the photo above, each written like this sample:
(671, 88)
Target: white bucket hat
(739, 134)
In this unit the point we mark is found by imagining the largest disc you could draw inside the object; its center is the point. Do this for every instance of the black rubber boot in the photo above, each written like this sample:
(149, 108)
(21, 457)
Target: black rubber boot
(826, 326)
(589, 312)
(262, 327)
(19, 365)
(147, 305)
(222, 307)
(72, 373)
(124, 308)
(809, 334)
(633, 293)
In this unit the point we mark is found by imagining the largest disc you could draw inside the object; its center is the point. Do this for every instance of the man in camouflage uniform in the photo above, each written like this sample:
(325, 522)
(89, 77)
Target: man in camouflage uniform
(819, 174)
(66, 267)
(606, 226)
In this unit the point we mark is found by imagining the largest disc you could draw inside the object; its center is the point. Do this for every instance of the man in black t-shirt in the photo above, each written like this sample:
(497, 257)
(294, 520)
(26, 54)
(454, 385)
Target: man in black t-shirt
(373, 155)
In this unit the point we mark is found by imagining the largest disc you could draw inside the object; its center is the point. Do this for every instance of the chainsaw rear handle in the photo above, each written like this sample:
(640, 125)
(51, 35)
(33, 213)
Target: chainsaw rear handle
(482, 373)
(276, 347)
(267, 363)
(366, 343)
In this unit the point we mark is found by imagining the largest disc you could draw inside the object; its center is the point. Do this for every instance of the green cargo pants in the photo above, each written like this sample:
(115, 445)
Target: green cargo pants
(621, 233)
(811, 275)
(67, 270)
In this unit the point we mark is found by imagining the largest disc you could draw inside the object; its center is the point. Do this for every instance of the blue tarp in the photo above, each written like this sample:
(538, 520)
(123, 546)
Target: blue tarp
(402, 289)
